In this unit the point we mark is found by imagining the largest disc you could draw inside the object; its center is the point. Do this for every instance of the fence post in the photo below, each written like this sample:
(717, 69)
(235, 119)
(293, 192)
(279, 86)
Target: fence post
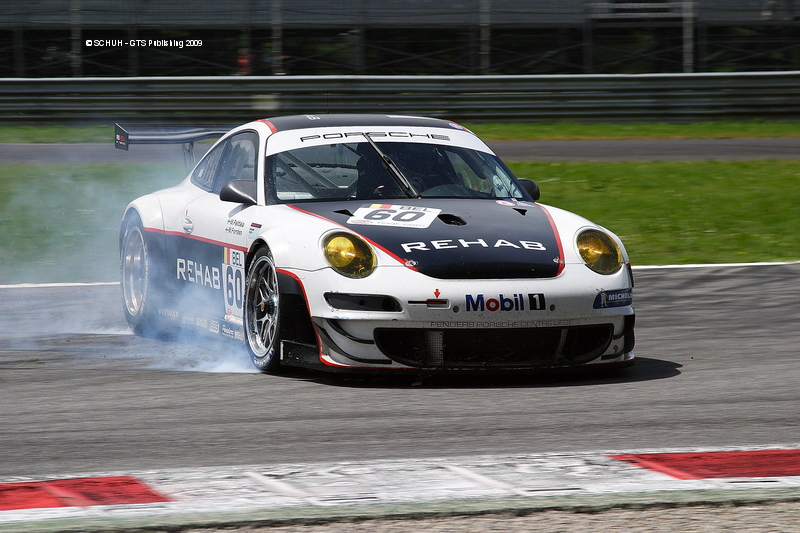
(688, 36)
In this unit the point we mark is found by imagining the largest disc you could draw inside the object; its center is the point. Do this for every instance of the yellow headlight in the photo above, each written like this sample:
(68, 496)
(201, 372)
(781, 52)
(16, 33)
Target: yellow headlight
(349, 255)
(599, 251)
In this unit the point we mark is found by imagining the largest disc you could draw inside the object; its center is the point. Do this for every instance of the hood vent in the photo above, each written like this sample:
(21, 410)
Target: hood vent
(452, 220)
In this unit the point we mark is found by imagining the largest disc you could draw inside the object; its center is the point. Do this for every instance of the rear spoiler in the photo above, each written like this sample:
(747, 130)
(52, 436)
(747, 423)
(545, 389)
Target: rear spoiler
(129, 134)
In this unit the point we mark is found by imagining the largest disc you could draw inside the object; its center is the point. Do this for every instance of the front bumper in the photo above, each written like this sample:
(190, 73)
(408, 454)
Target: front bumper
(432, 324)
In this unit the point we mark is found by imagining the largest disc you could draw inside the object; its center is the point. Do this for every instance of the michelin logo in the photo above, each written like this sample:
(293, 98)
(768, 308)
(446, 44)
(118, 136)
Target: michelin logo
(608, 299)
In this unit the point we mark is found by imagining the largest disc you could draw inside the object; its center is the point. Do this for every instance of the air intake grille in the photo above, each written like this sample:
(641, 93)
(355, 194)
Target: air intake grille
(494, 348)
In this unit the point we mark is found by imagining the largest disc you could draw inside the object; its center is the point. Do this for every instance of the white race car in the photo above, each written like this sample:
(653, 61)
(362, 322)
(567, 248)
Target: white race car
(371, 242)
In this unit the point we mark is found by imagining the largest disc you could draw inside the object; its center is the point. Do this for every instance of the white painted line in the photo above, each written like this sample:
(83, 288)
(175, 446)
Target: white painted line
(715, 265)
(48, 285)
(283, 488)
(480, 479)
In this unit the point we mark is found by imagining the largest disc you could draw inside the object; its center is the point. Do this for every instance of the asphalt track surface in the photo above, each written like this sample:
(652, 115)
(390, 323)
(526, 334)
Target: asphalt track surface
(717, 367)
(716, 349)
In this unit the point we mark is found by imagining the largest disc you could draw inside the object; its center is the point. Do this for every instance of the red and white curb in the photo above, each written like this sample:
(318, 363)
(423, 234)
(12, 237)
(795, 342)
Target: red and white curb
(337, 486)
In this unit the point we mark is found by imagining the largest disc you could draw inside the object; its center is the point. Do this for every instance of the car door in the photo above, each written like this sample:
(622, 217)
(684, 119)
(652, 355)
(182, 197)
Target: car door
(210, 261)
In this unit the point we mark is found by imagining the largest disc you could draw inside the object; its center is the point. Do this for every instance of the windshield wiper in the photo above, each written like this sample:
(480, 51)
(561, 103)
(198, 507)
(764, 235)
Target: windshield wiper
(394, 170)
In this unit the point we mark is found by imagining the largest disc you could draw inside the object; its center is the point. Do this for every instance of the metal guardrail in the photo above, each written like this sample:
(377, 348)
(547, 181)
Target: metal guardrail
(637, 10)
(227, 14)
(580, 98)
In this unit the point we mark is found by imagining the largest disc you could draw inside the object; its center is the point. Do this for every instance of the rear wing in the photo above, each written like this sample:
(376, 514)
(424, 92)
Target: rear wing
(126, 135)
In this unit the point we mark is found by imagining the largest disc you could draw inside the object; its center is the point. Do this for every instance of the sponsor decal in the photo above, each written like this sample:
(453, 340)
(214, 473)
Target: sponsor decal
(514, 302)
(229, 317)
(171, 313)
(198, 273)
(232, 332)
(234, 227)
(233, 257)
(233, 278)
(464, 324)
(201, 322)
(444, 244)
(214, 327)
(607, 299)
(255, 229)
(401, 216)
(373, 134)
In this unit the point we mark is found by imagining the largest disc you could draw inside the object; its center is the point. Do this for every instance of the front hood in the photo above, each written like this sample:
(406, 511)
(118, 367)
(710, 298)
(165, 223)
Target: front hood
(455, 239)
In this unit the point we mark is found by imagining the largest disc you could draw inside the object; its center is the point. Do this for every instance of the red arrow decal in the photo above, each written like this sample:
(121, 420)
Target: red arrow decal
(436, 293)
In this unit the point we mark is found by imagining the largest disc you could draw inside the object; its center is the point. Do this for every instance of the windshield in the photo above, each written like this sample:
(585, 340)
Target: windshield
(356, 171)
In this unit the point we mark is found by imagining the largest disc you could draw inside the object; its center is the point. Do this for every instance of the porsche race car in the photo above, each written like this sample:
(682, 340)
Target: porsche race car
(370, 242)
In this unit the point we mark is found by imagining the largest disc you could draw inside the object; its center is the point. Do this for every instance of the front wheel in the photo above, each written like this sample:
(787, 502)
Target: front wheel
(262, 317)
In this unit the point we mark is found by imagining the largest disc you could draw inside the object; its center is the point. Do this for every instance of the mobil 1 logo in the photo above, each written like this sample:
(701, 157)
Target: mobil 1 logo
(505, 302)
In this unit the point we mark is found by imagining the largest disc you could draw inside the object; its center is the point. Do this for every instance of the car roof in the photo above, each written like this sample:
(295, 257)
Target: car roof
(296, 122)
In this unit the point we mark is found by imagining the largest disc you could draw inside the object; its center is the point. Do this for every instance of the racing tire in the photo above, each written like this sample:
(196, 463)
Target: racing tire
(135, 274)
(262, 312)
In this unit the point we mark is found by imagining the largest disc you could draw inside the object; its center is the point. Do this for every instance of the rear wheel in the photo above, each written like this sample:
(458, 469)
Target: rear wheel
(262, 317)
(135, 275)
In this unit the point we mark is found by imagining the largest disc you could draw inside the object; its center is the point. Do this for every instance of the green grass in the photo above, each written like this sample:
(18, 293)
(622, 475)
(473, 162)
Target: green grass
(686, 212)
(570, 131)
(61, 222)
(45, 133)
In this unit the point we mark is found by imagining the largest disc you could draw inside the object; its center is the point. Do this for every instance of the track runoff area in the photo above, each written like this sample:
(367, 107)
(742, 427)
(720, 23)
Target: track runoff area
(287, 493)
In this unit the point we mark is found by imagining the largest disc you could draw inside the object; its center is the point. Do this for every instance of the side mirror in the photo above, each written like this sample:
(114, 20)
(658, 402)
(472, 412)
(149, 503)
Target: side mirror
(240, 192)
(531, 188)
